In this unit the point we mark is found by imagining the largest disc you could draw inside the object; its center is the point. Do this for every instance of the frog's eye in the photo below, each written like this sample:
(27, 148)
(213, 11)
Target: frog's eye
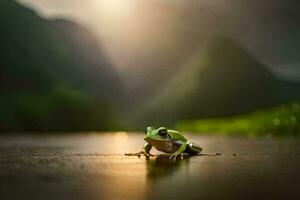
(163, 132)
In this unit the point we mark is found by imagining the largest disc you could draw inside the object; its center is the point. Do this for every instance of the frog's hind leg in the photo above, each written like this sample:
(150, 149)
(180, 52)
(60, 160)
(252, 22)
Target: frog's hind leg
(192, 148)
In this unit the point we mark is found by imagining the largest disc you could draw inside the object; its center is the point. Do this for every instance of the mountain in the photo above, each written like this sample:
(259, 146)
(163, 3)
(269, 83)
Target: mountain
(264, 35)
(225, 80)
(163, 35)
(53, 75)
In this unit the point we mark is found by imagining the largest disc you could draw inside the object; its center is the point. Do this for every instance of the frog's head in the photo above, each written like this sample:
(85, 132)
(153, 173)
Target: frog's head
(157, 134)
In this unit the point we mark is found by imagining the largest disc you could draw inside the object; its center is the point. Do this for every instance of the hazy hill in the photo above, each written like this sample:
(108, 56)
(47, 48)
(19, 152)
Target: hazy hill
(225, 80)
(171, 32)
(53, 75)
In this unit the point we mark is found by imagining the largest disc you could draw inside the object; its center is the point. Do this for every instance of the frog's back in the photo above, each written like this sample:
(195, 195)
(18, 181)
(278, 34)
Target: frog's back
(175, 135)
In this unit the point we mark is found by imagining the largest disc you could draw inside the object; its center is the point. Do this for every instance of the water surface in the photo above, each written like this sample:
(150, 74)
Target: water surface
(93, 166)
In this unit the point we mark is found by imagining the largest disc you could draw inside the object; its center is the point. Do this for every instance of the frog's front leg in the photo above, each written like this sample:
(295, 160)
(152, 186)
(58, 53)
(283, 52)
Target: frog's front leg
(179, 151)
(145, 151)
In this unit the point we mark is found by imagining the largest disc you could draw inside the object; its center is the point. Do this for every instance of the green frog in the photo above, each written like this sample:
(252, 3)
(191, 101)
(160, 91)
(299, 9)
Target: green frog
(168, 141)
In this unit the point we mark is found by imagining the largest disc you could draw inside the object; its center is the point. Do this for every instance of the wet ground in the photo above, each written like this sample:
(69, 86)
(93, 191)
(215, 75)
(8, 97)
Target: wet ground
(93, 166)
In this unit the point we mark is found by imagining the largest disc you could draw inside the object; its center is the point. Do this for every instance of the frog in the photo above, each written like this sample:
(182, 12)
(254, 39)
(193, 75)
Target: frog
(168, 141)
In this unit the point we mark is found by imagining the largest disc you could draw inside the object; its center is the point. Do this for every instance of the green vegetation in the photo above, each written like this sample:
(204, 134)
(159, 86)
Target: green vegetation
(62, 109)
(282, 120)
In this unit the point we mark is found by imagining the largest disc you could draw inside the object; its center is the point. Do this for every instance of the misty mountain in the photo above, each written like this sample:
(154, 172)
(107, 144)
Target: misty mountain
(53, 75)
(225, 80)
(37, 54)
(172, 32)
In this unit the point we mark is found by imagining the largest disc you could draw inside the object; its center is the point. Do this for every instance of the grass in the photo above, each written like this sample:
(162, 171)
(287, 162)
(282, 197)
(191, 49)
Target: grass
(281, 121)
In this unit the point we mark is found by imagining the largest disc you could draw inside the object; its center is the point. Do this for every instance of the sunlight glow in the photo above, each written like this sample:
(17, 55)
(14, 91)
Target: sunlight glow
(115, 8)
(121, 137)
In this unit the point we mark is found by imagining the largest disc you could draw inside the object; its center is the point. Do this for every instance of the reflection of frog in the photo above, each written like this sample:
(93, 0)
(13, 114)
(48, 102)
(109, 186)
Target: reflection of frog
(168, 141)
(162, 166)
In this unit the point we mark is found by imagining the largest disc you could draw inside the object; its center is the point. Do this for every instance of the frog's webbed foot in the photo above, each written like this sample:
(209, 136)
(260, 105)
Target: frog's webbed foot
(178, 152)
(138, 154)
(174, 156)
